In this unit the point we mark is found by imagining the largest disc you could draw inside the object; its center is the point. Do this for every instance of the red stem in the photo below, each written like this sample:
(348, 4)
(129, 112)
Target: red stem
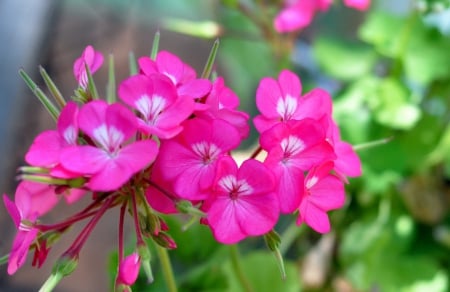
(256, 152)
(76, 246)
(139, 238)
(121, 227)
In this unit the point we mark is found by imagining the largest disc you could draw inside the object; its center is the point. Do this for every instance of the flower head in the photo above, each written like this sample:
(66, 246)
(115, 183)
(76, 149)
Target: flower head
(109, 163)
(181, 74)
(323, 192)
(189, 160)
(244, 202)
(156, 98)
(32, 200)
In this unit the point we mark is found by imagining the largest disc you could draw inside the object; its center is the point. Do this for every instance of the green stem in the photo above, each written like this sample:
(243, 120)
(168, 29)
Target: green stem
(236, 264)
(51, 282)
(163, 256)
(289, 236)
(4, 259)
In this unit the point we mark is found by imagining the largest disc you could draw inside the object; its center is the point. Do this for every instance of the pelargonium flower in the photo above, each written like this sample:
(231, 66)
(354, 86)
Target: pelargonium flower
(244, 202)
(189, 160)
(155, 97)
(90, 57)
(280, 101)
(223, 104)
(358, 4)
(293, 148)
(298, 14)
(323, 192)
(47, 146)
(347, 162)
(110, 163)
(181, 74)
(31, 201)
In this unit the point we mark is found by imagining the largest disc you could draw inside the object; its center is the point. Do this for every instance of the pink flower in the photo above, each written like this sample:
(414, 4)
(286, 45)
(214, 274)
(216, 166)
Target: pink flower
(156, 98)
(280, 101)
(323, 192)
(31, 201)
(293, 148)
(222, 104)
(129, 270)
(181, 74)
(109, 163)
(298, 14)
(189, 160)
(47, 146)
(347, 162)
(244, 202)
(93, 59)
(358, 4)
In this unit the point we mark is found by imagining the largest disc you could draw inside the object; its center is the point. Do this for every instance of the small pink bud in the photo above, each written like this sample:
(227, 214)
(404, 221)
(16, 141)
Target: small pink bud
(129, 269)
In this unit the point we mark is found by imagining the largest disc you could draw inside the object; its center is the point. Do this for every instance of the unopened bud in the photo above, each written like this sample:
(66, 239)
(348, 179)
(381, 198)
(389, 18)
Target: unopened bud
(163, 239)
(186, 207)
(145, 255)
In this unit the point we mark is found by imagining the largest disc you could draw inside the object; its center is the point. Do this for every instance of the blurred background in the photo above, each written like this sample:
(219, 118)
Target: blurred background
(388, 70)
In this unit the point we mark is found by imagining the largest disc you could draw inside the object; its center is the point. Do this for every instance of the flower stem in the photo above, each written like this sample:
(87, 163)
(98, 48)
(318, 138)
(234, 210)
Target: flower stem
(166, 268)
(51, 282)
(289, 235)
(236, 264)
(4, 259)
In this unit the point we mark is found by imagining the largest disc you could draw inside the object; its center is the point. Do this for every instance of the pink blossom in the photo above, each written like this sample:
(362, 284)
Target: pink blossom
(298, 14)
(223, 104)
(280, 101)
(90, 58)
(155, 97)
(109, 163)
(181, 74)
(323, 192)
(293, 148)
(31, 201)
(129, 269)
(358, 4)
(244, 202)
(189, 160)
(47, 146)
(347, 162)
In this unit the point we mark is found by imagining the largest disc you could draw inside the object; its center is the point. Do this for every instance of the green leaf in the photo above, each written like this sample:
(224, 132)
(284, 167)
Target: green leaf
(382, 30)
(376, 253)
(427, 57)
(342, 59)
(46, 102)
(392, 105)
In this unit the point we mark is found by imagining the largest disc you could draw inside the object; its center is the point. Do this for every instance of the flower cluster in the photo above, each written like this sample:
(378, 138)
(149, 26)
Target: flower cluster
(166, 147)
(298, 14)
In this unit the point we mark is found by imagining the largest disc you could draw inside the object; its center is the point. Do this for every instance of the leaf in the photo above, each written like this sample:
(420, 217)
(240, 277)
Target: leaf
(393, 107)
(342, 59)
(382, 30)
(427, 57)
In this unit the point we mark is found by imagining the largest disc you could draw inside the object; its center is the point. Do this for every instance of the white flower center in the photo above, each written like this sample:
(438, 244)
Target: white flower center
(70, 135)
(234, 187)
(286, 107)
(207, 151)
(109, 138)
(292, 145)
(151, 107)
